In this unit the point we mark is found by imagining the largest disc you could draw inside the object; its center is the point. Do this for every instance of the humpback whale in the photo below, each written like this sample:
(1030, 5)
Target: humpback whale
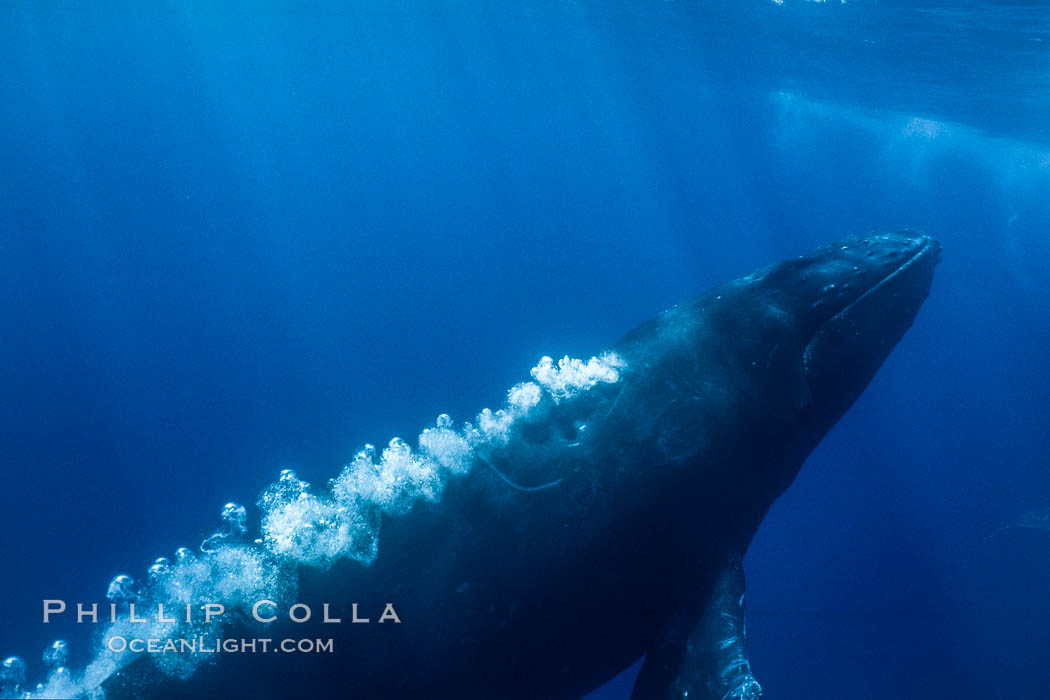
(605, 524)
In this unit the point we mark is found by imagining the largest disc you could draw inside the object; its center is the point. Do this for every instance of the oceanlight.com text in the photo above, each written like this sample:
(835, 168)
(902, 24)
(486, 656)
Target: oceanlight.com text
(201, 645)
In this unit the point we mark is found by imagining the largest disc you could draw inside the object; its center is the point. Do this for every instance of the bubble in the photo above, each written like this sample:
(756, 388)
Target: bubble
(122, 589)
(184, 554)
(212, 542)
(235, 516)
(60, 684)
(288, 476)
(160, 567)
(12, 674)
(56, 654)
(495, 426)
(234, 525)
(573, 375)
(289, 486)
(61, 675)
(524, 396)
(448, 449)
(158, 570)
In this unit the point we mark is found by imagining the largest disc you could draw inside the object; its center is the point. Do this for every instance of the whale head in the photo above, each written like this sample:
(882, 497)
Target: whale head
(819, 326)
(850, 303)
(768, 363)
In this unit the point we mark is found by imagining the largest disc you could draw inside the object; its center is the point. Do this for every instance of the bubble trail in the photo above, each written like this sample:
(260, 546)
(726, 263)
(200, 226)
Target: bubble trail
(301, 528)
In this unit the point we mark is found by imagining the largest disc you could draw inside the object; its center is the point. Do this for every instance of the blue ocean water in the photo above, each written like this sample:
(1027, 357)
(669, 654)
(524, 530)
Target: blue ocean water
(243, 239)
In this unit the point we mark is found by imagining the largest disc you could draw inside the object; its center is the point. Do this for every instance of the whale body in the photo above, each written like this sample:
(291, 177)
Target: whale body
(612, 524)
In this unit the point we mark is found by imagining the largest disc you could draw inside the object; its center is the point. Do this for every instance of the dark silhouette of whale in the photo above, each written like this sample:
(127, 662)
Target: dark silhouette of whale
(613, 524)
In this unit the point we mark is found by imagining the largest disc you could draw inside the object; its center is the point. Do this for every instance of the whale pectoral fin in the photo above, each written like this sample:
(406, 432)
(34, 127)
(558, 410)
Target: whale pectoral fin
(702, 652)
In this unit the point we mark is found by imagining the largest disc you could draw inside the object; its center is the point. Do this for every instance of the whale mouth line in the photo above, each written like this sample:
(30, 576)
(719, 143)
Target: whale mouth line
(929, 245)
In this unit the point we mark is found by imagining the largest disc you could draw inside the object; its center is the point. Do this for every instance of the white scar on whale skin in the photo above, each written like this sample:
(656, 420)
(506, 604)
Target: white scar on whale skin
(302, 528)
